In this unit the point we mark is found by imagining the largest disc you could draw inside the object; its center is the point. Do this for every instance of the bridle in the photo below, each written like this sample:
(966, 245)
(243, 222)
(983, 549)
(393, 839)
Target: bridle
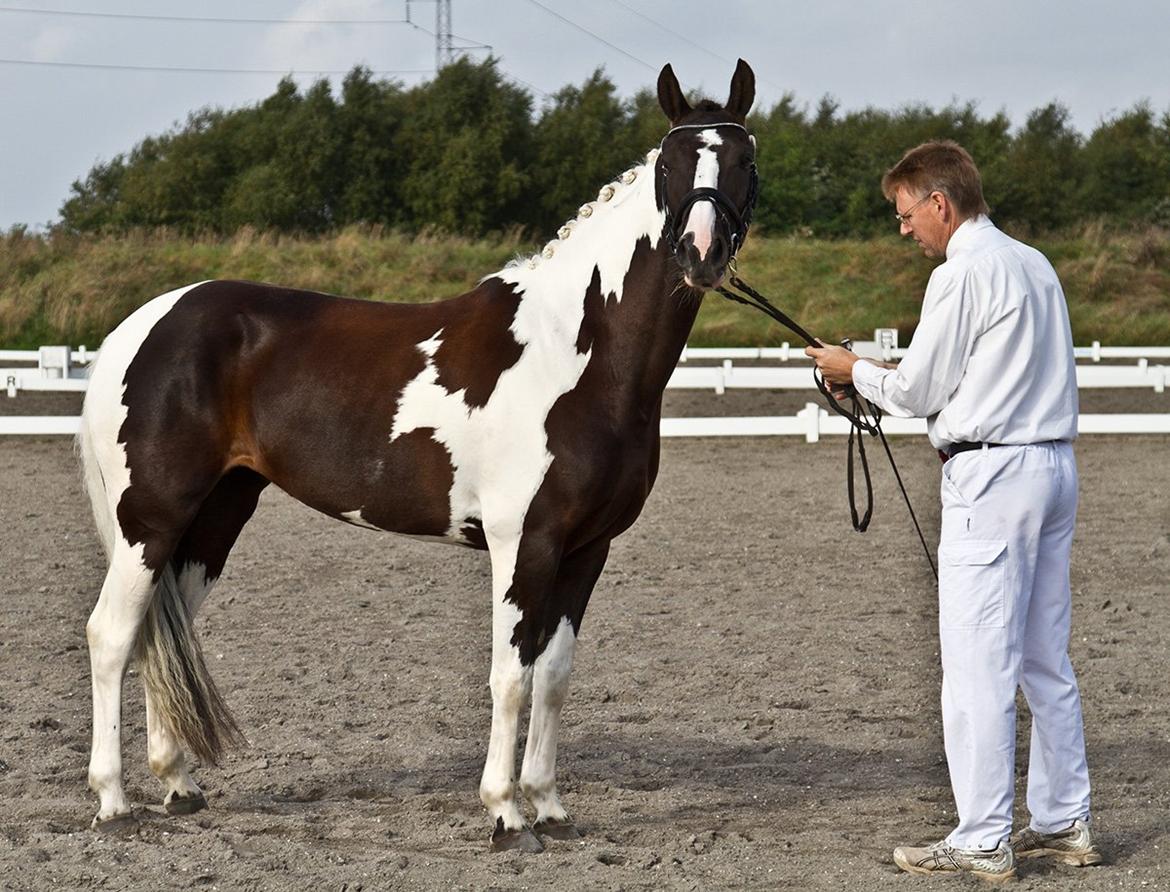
(738, 220)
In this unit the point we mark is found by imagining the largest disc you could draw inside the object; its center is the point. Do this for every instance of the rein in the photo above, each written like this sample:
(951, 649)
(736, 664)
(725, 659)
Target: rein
(863, 417)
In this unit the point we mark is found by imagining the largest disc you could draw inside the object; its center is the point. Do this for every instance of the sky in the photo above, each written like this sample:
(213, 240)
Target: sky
(57, 120)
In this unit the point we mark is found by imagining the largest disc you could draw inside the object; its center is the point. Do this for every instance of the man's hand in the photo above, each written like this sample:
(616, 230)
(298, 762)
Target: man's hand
(835, 363)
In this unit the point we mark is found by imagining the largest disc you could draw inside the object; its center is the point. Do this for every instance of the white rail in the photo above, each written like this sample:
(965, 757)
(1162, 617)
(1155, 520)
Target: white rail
(813, 422)
(786, 352)
(728, 376)
(719, 378)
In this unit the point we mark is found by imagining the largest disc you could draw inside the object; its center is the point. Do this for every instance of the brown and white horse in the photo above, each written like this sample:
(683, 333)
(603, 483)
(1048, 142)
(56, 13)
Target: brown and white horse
(521, 417)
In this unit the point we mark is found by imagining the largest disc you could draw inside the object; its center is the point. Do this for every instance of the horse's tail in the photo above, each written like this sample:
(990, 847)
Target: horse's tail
(173, 669)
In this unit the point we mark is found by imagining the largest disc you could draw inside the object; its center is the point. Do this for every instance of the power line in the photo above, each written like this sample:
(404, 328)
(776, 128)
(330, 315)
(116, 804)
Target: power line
(185, 70)
(470, 43)
(584, 30)
(683, 38)
(212, 19)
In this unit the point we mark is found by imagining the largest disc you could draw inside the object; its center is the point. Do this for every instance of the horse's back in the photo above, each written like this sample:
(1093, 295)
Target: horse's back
(298, 386)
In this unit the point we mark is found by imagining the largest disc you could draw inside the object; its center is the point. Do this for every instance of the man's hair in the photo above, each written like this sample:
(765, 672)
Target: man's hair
(939, 166)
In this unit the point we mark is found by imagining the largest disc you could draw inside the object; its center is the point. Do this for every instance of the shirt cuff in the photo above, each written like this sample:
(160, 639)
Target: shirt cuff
(867, 378)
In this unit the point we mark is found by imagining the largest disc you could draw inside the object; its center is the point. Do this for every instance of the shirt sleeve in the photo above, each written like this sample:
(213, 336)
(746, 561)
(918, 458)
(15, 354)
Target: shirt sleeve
(929, 373)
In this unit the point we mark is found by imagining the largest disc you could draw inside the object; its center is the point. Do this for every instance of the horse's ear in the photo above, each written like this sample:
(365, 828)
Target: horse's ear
(670, 95)
(743, 90)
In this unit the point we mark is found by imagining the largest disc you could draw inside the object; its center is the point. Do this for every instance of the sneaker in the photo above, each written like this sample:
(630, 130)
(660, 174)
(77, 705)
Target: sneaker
(1073, 845)
(996, 866)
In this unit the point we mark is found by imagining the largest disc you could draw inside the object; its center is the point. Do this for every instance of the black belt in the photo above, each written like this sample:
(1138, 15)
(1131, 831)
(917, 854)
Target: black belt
(955, 448)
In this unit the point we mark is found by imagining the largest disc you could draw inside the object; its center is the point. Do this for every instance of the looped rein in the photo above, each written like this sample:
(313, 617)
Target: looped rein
(863, 416)
(737, 220)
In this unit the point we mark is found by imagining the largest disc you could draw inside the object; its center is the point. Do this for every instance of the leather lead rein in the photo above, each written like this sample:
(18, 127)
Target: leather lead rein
(863, 416)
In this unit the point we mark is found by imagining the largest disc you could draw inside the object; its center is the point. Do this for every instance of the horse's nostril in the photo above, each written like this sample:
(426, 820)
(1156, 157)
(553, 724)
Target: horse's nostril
(718, 251)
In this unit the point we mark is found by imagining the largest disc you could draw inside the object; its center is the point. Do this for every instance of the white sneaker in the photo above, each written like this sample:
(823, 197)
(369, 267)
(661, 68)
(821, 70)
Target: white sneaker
(1073, 845)
(996, 866)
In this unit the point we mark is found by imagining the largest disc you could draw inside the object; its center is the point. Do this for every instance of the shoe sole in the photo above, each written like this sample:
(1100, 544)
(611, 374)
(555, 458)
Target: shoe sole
(1090, 858)
(993, 878)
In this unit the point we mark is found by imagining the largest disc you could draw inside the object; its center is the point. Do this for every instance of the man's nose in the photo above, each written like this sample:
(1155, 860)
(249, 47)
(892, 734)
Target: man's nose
(905, 228)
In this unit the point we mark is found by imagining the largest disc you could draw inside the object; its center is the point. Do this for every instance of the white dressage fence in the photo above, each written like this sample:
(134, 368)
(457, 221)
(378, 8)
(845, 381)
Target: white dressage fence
(59, 368)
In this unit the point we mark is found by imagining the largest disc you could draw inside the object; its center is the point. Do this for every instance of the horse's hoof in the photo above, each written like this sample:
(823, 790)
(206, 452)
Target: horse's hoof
(553, 829)
(185, 805)
(116, 825)
(523, 839)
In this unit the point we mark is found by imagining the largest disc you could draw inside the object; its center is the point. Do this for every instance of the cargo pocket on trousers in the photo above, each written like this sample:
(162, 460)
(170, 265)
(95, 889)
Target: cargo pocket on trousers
(971, 584)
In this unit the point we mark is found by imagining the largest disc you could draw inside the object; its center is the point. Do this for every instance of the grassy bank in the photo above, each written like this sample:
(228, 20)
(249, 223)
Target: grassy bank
(70, 290)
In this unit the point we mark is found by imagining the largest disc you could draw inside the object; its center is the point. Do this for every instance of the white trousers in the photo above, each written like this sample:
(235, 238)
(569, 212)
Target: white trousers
(1004, 611)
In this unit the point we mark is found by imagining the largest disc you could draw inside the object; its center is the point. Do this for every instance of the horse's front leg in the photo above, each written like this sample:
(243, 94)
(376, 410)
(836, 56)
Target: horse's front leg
(521, 574)
(565, 607)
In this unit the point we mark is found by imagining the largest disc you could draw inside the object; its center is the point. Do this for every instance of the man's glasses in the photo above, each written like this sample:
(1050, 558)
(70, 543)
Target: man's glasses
(904, 217)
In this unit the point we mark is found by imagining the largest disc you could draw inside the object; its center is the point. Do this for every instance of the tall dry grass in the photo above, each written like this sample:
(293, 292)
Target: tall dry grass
(73, 290)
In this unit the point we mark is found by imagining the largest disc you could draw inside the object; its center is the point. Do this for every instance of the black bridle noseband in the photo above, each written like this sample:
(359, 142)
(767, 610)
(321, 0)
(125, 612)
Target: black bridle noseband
(737, 220)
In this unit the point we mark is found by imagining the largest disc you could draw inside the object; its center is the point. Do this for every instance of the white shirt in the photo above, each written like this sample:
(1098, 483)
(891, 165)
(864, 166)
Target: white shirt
(992, 358)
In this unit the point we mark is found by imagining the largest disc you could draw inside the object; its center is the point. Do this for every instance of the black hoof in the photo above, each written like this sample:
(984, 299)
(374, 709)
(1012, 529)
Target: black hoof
(118, 825)
(523, 839)
(185, 805)
(563, 830)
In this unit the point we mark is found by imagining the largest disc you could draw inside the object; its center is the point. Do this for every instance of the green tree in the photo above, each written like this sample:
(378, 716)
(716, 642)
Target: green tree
(467, 142)
(1127, 167)
(370, 172)
(1036, 181)
(583, 139)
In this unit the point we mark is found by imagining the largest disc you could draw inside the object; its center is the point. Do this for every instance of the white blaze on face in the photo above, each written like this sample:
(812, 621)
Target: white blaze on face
(701, 219)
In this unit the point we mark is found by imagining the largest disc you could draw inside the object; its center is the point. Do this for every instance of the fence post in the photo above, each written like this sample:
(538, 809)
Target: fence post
(724, 374)
(811, 413)
(53, 362)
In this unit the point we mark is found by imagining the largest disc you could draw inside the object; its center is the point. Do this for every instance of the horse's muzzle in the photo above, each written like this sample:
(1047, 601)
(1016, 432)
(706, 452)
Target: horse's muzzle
(705, 272)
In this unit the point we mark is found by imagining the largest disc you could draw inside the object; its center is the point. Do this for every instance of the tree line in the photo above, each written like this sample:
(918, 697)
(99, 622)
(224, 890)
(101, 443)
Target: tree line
(468, 152)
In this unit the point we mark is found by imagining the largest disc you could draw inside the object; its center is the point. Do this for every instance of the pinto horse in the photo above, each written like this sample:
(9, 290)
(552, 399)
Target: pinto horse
(521, 417)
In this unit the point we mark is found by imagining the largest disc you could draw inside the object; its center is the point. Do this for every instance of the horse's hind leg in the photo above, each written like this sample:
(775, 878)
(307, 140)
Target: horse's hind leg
(111, 633)
(565, 608)
(196, 564)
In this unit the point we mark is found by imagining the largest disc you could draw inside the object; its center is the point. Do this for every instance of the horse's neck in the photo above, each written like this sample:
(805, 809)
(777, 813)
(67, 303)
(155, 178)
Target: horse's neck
(613, 248)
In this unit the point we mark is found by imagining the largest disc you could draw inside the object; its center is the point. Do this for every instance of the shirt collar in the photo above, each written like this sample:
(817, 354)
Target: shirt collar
(964, 237)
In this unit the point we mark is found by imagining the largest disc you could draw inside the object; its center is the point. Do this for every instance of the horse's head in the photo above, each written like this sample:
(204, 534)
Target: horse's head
(706, 174)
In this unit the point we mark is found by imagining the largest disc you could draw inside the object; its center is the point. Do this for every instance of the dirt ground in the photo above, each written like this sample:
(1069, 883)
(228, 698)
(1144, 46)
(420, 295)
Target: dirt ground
(754, 702)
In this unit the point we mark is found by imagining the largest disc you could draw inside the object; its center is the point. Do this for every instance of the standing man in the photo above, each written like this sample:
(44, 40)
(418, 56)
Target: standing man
(991, 369)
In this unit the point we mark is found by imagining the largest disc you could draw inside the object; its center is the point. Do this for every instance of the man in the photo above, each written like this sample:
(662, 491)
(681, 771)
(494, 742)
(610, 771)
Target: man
(991, 369)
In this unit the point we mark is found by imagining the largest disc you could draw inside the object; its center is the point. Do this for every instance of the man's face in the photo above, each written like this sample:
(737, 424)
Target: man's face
(923, 220)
